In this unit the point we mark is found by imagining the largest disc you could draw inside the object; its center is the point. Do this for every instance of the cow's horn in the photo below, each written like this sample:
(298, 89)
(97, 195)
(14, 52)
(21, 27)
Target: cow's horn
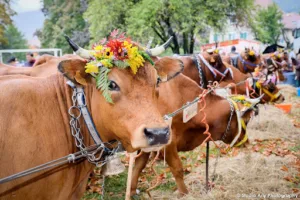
(78, 50)
(254, 101)
(160, 49)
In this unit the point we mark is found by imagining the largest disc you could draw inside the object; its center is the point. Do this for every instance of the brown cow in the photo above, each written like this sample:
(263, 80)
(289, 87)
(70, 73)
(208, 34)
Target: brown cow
(34, 125)
(246, 62)
(232, 76)
(187, 136)
(12, 70)
(44, 66)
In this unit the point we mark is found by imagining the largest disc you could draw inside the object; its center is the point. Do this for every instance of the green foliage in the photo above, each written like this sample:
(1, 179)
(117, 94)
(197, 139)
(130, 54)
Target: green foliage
(63, 17)
(5, 19)
(267, 24)
(105, 16)
(161, 19)
(146, 57)
(121, 64)
(15, 40)
(102, 83)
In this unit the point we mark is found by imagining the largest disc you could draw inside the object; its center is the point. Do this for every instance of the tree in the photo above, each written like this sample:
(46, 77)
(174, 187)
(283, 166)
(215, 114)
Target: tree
(267, 24)
(63, 17)
(15, 40)
(182, 19)
(5, 19)
(106, 15)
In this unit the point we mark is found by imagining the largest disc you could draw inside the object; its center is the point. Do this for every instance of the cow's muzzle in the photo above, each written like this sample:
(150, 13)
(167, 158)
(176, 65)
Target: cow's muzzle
(156, 136)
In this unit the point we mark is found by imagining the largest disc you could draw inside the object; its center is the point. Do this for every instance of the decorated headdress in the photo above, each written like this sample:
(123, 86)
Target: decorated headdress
(115, 51)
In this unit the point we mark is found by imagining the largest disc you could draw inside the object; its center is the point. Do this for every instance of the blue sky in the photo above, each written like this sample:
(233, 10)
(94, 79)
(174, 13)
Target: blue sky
(29, 18)
(21, 6)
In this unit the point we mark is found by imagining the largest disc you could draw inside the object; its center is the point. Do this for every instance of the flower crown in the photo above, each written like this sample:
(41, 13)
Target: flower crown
(116, 51)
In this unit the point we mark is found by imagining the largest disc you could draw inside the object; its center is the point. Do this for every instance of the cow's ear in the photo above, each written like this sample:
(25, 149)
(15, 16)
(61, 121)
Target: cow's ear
(168, 68)
(74, 70)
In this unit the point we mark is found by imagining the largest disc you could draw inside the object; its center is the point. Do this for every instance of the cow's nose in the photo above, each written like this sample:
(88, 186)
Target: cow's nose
(157, 135)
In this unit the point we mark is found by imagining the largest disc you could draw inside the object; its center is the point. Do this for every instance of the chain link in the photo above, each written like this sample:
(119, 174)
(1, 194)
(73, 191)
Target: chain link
(230, 118)
(94, 156)
(200, 71)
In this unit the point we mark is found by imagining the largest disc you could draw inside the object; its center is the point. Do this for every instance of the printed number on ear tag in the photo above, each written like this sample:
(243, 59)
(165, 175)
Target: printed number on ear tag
(190, 112)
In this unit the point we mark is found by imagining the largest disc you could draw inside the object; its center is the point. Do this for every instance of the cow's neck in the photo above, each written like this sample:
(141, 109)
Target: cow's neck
(64, 97)
(218, 111)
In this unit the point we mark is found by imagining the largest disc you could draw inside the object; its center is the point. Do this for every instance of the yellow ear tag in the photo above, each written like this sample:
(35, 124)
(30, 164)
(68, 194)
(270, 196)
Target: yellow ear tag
(80, 79)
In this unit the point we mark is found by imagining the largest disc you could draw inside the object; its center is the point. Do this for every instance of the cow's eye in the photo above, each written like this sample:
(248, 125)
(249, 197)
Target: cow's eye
(158, 81)
(113, 86)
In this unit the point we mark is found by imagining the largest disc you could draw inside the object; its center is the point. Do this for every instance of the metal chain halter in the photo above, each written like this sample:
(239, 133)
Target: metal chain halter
(229, 121)
(75, 111)
(198, 64)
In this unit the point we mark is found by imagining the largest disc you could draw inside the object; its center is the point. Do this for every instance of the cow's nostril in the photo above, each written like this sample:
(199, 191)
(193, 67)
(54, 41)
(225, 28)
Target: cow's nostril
(148, 132)
(157, 135)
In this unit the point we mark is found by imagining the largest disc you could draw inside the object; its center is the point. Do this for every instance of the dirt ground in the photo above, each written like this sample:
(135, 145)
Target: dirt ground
(267, 168)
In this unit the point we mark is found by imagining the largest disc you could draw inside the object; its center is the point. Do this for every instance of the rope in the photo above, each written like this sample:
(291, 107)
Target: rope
(158, 179)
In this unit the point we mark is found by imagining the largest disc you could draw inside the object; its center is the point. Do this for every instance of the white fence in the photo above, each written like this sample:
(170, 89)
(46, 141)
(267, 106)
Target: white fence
(57, 52)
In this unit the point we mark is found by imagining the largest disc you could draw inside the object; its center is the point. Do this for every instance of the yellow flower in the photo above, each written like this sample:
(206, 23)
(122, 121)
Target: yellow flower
(216, 51)
(106, 63)
(108, 53)
(251, 53)
(127, 45)
(98, 48)
(91, 68)
(135, 60)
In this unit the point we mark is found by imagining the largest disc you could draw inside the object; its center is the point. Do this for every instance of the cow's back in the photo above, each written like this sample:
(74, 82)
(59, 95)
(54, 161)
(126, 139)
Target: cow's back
(34, 130)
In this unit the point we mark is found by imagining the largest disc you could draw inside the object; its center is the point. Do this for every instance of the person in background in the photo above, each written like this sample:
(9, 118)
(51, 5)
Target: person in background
(296, 63)
(13, 61)
(291, 55)
(30, 60)
(287, 66)
(298, 55)
(233, 56)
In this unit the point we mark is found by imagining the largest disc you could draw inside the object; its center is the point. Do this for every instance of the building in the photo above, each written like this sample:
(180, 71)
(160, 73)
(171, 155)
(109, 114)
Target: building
(290, 21)
(246, 37)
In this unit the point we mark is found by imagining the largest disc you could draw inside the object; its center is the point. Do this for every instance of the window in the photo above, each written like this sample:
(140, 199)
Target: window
(243, 35)
(297, 33)
(216, 37)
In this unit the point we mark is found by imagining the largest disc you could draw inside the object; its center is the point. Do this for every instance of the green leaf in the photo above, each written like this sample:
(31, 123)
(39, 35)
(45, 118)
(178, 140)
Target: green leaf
(102, 83)
(146, 57)
(121, 64)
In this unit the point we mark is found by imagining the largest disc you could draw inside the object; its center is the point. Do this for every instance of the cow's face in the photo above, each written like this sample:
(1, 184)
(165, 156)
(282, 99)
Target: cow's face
(133, 117)
(215, 60)
(253, 57)
(270, 91)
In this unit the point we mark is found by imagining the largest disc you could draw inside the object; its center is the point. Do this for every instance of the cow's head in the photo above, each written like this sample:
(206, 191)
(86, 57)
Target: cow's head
(269, 89)
(244, 109)
(133, 118)
(214, 59)
(253, 57)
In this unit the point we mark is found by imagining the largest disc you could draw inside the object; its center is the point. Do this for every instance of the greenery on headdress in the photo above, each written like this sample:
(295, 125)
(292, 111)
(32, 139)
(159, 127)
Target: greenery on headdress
(119, 52)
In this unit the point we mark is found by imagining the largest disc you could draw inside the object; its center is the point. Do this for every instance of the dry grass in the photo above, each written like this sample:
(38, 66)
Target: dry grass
(253, 173)
(247, 173)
